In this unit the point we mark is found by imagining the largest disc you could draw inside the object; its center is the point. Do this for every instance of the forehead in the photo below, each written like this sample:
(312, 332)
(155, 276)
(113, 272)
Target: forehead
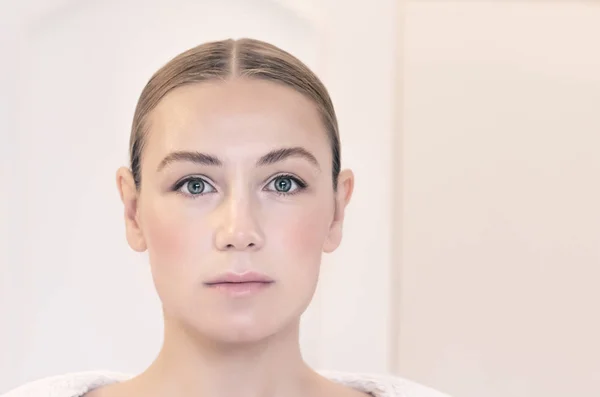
(239, 116)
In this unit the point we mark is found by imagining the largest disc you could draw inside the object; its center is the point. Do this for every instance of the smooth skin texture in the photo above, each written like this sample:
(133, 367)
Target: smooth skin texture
(236, 176)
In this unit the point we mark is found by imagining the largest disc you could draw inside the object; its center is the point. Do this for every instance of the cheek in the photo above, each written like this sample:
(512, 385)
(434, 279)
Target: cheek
(304, 235)
(175, 242)
(296, 246)
(164, 233)
(300, 234)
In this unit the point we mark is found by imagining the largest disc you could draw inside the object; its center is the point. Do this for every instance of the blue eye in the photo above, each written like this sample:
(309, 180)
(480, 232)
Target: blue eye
(194, 186)
(286, 184)
(283, 185)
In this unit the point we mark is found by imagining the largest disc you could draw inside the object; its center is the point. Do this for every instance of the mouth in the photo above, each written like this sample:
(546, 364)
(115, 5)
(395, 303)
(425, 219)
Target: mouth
(237, 285)
(238, 289)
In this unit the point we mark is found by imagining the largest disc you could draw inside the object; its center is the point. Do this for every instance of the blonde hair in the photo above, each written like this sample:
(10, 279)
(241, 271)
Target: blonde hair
(222, 60)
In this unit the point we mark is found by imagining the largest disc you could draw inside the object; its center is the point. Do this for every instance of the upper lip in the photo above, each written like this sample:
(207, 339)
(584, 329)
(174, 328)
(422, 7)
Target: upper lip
(247, 277)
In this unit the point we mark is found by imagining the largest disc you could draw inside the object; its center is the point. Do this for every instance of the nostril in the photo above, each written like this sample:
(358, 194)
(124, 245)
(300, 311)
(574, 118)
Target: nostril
(233, 246)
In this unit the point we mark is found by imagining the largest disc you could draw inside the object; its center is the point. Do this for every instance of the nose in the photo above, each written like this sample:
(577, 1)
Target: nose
(238, 228)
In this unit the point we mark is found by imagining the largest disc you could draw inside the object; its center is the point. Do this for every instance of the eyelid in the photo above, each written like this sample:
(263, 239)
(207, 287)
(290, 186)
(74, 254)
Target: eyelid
(297, 179)
(300, 184)
(179, 184)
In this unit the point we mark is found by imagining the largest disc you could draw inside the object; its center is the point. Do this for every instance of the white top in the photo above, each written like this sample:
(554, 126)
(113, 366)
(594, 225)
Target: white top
(77, 384)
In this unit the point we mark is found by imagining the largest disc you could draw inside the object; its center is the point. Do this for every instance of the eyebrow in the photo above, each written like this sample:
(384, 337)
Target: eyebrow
(193, 157)
(272, 157)
(277, 155)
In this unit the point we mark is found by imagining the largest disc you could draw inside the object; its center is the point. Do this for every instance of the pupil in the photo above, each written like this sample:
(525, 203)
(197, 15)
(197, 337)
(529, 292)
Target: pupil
(284, 184)
(196, 186)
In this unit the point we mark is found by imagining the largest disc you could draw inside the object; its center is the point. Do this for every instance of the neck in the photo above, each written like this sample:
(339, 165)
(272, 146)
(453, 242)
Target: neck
(189, 365)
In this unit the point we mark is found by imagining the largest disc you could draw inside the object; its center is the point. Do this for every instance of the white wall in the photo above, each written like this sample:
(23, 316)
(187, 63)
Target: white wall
(501, 198)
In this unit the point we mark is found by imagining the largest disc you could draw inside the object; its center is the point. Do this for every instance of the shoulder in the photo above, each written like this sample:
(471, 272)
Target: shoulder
(67, 385)
(77, 384)
(380, 385)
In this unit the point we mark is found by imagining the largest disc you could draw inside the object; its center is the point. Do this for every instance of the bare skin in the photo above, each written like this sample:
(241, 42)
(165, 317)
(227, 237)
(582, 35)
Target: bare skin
(259, 198)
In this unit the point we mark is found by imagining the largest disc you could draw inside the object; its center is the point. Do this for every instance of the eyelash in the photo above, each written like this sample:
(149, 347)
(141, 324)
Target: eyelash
(301, 185)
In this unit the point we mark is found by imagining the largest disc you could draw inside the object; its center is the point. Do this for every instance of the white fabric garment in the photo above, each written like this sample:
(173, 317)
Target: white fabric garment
(77, 384)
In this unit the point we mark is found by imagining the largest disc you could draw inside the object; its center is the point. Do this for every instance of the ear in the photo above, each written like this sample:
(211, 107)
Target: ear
(345, 187)
(130, 198)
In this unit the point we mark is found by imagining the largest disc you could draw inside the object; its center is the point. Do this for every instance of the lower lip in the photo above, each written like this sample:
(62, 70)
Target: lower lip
(240, 289)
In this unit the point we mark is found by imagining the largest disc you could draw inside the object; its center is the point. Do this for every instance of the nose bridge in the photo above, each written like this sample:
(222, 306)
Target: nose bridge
(237, 222)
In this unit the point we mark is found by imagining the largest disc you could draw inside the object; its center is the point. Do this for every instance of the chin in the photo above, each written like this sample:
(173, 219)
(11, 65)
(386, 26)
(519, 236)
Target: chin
(245, 324)
(240, 330)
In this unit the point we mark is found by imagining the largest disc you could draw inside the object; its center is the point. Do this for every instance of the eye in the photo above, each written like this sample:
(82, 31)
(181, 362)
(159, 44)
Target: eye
(286, 184)
(194, 186)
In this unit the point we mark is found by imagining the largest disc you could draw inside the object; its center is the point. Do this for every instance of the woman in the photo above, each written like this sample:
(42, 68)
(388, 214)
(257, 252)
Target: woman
(235, 190)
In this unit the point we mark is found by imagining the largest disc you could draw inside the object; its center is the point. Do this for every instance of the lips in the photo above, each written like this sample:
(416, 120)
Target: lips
(240, 278)
(240, 285)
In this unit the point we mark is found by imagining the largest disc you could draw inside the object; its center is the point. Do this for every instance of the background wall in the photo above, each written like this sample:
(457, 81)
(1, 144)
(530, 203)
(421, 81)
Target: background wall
(473, 130)
(500, 194)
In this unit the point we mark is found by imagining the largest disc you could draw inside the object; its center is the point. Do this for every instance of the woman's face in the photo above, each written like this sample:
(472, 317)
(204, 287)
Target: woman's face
(236, 180)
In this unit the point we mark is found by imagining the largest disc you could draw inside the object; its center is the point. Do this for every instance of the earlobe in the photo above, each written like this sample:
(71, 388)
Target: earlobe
(130, 199)
(345, 188)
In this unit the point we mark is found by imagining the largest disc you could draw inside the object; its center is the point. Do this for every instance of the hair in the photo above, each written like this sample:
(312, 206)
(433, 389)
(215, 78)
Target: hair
(226, 59)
